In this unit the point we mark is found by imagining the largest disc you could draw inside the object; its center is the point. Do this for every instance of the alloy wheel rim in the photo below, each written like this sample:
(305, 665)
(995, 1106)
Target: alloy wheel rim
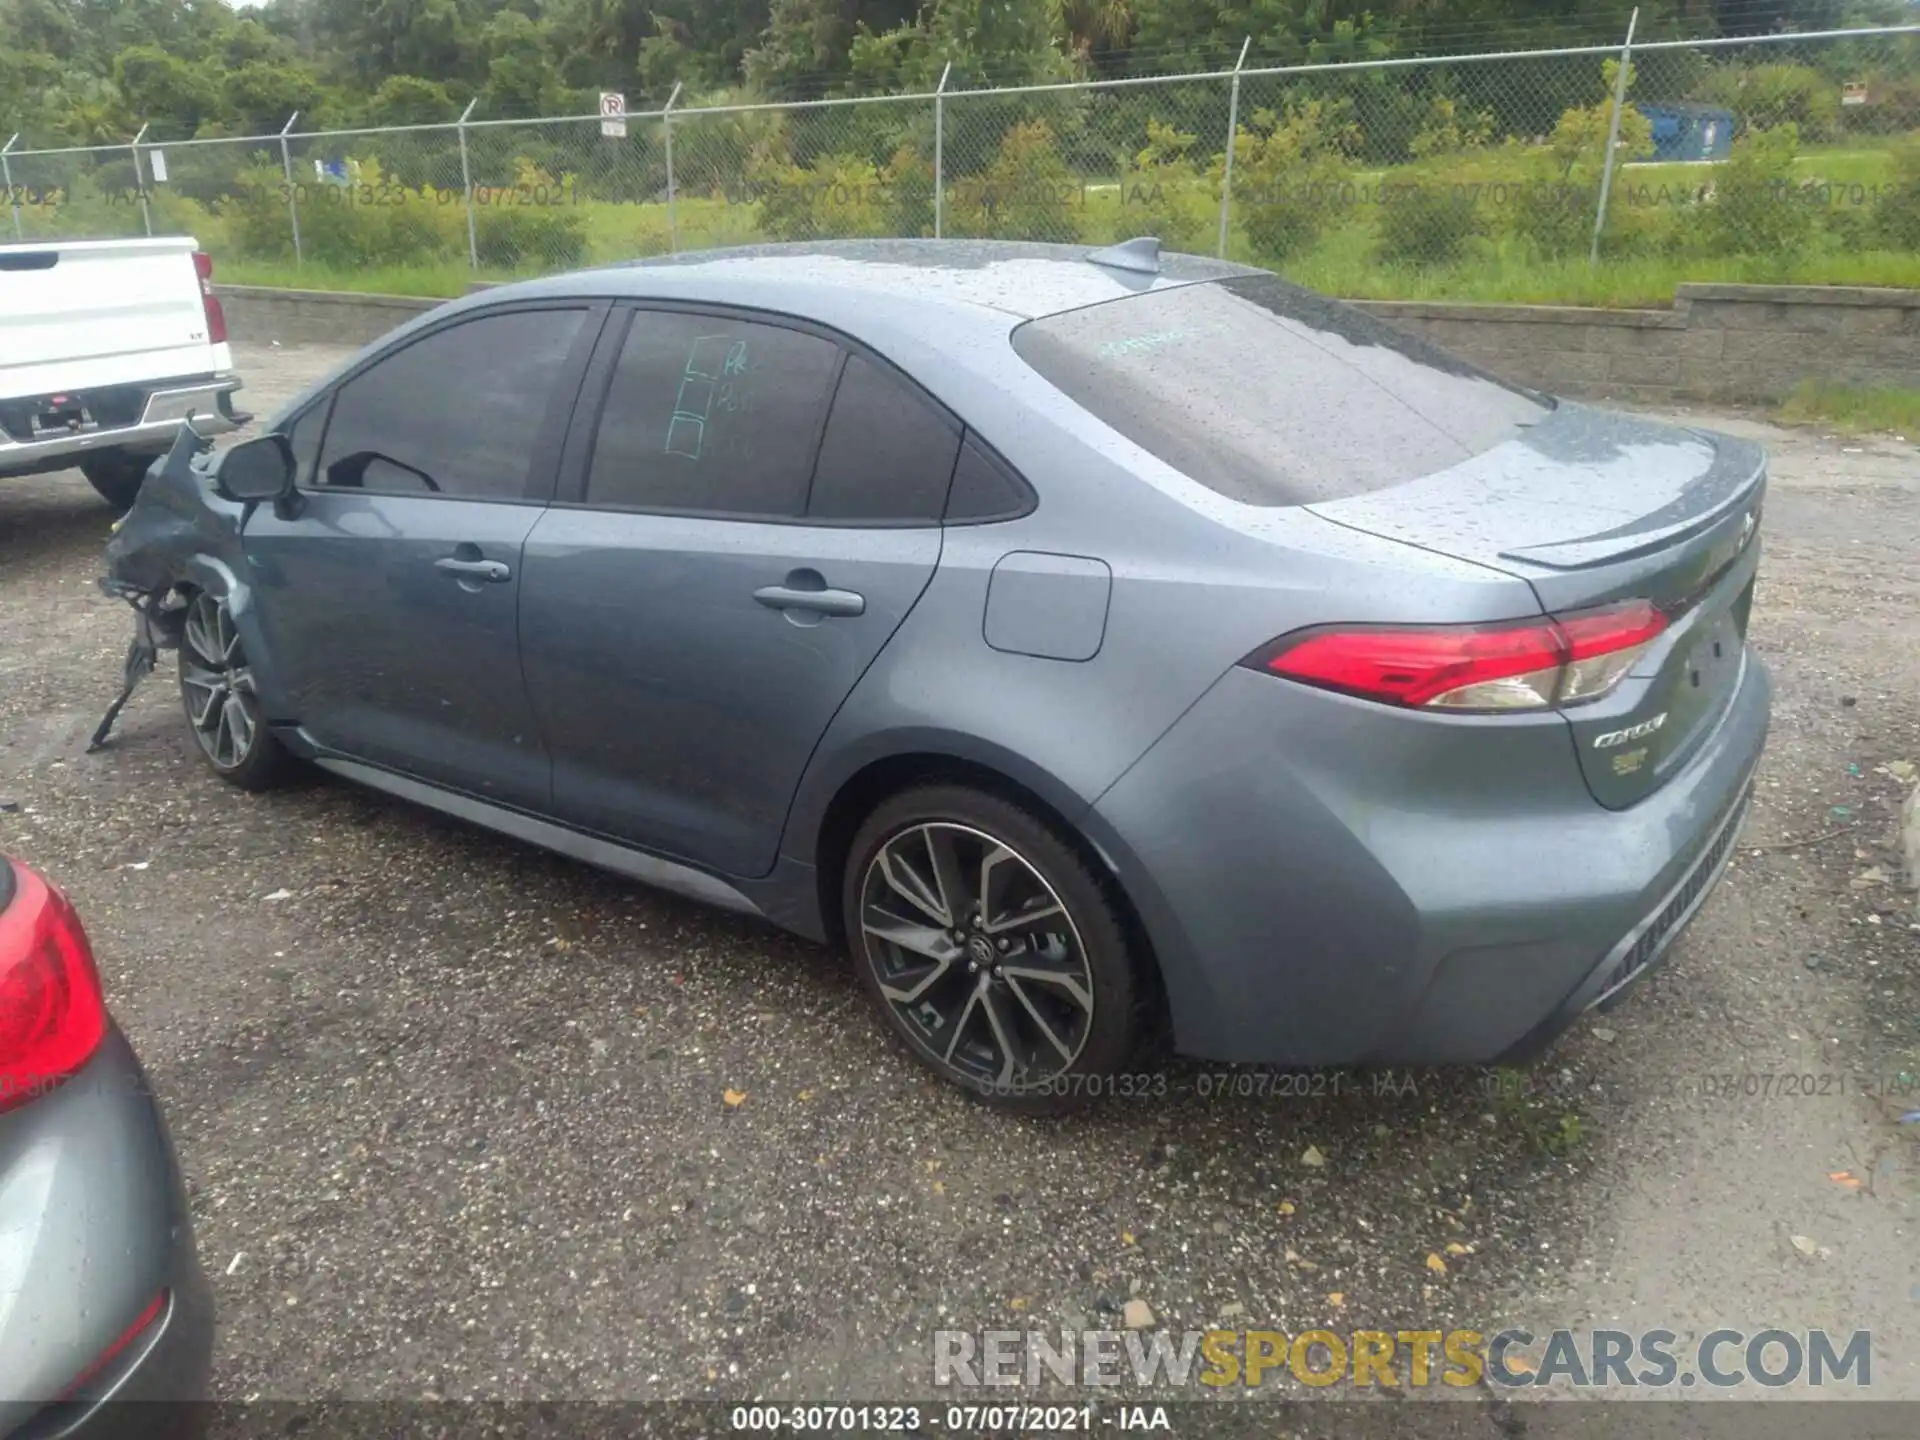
(976, 954)
(217, 684)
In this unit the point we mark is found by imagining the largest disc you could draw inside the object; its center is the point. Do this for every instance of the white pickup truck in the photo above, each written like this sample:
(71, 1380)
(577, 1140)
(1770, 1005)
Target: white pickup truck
(106, 347)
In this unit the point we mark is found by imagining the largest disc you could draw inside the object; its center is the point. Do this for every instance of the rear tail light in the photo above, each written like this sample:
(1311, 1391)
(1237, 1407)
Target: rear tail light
(210, 302)
(1524, 665)
(52, 1015)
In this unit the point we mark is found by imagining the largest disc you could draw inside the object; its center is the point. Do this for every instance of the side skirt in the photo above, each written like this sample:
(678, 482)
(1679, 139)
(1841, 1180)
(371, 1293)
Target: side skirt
(592, 849)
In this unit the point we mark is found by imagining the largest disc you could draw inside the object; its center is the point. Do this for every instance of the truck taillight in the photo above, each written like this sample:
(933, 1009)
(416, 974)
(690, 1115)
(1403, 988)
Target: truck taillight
(1523, 665)
(52, 1015)
(210, 302)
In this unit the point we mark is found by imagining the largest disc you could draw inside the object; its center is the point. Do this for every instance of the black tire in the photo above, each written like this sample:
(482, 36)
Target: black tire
(223, 710)
(116, 475)
(953, 990)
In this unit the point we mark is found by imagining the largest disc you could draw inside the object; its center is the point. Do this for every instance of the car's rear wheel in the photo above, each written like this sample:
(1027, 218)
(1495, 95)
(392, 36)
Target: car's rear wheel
(116, 475)
(992, 949)
(216, 687)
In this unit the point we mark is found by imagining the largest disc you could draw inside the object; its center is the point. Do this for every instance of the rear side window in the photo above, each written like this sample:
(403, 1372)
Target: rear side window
(1270, 394)
(457, 413)
(711, 415)
(887, 455)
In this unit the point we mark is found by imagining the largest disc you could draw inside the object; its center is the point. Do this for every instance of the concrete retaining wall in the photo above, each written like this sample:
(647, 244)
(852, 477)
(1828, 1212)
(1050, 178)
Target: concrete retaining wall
(1744, 344)
(257, 315)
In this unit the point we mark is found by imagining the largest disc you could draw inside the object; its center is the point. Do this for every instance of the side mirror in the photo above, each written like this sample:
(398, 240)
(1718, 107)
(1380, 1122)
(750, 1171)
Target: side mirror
(255, 470)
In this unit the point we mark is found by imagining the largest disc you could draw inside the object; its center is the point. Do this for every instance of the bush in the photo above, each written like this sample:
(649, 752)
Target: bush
(1448, 128)
(842, 196)
(1896, 210)
(1767, 97)
(1027, 193)
(1756, 206)
(907, 193)
(1560, 189)
(1428, 220)
(370, 222)
(1291, 179)
(1163, 193)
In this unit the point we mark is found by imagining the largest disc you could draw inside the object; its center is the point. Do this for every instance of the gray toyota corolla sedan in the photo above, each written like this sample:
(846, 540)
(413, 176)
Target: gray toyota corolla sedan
(103, 1306)
(1094, 643)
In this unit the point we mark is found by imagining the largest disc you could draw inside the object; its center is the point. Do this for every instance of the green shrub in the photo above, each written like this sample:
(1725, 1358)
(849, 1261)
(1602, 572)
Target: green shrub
(1448, 128)
(1766, 97)
(1428, 220)
(1757, 206)
(370, 222)
(1896, 210)
(1163, 193)
(907, 193)
(529, 237)
(840, 196)
(1026, 193)
(1291, 176)
(1559, 193)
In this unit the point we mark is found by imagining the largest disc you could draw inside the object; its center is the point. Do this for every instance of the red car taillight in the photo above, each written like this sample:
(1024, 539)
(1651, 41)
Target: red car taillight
(52, 1015)
(1523, 665)
(210, 302)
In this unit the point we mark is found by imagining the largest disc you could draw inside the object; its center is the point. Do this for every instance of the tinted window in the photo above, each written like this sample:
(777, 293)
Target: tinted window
(887, 454)
(1271, 394)
(304, 436)
(458, 413)
(985, 488)
(711, 414)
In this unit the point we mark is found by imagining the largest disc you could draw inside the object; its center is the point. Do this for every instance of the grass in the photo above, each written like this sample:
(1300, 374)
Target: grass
(1852, 408)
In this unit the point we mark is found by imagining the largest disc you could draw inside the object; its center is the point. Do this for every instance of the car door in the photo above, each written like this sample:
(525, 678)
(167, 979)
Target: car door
(702, 596)
(389, 593)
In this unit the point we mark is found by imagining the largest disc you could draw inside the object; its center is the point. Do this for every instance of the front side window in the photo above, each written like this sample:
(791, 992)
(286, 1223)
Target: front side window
(458, 413)
(304, 436)
(707, 414)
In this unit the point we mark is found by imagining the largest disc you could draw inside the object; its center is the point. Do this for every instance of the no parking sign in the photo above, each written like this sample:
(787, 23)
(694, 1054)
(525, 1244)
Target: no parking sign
(613, 115)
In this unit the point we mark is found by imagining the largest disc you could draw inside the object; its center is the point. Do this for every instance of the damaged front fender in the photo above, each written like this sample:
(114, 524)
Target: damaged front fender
(181, 534)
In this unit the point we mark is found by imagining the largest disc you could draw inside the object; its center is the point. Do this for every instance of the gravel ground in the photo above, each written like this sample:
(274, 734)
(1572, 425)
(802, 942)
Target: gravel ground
(457, 1121)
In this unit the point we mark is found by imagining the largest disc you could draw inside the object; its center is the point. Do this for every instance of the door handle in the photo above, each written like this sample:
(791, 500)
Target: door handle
(494, 572)
(818, 602)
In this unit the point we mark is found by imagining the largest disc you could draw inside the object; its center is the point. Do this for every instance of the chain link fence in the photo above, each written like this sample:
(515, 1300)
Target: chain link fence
(1519, 175)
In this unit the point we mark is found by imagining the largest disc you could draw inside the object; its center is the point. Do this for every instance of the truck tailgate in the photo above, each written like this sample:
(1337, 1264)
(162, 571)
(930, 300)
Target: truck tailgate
(105, 312)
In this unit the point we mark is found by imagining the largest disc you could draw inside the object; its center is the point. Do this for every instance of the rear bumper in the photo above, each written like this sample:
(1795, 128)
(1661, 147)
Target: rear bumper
(158, 414)
(95, 1211)
(1327, 882)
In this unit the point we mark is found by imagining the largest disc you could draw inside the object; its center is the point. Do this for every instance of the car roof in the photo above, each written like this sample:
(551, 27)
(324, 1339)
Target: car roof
(838, 281)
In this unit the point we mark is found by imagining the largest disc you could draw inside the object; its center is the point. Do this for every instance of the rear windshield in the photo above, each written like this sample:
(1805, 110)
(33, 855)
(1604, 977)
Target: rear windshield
(1270, 394)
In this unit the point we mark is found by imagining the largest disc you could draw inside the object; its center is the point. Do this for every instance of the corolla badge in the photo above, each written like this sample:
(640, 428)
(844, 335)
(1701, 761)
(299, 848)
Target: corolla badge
(1632, 732)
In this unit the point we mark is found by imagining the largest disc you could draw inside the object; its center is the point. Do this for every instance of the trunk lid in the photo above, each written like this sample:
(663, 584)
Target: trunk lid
(1591, 507)
(104, 312)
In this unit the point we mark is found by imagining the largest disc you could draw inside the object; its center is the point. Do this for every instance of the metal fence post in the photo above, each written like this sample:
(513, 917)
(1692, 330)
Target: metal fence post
(13, 196)
(939, 150)
(140, 181)
(666, 133)
(1233, 132)
(1613, 139)
(466, 184)
(293, 194)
